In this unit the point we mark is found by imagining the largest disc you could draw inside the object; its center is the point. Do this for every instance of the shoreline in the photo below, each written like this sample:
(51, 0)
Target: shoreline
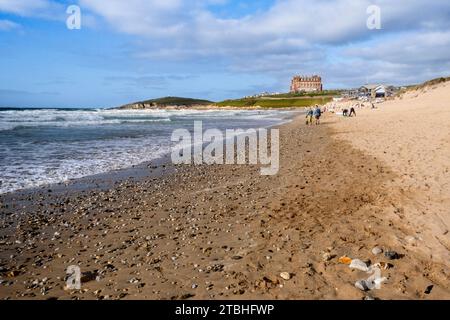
(105, 180)
(221, 232)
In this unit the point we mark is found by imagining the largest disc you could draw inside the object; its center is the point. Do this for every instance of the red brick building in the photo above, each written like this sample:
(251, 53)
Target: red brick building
(306, 84)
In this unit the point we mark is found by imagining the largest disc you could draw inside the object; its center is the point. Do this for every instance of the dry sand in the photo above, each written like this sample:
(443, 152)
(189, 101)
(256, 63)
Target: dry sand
(411, 135)
(225, 232)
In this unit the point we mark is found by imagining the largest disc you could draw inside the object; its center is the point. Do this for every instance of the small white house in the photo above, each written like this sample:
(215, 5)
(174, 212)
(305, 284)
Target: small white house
(374, 91)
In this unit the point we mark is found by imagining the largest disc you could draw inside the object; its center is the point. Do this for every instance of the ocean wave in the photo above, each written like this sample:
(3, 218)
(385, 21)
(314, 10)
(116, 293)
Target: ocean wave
(16, 125)
(115, 139)
(100, 158)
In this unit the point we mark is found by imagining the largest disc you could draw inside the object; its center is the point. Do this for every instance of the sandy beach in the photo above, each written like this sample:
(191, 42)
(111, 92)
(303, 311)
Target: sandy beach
(226, 232)
(411, 135)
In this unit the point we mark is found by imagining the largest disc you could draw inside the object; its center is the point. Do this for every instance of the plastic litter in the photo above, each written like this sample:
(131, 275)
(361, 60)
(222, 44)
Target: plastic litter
(345, 260)
(362, 285)
(358, 264)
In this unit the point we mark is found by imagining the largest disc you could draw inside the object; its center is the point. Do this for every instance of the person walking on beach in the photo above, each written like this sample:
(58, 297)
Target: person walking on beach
(309, 117)
(352, 111)
(317, 114)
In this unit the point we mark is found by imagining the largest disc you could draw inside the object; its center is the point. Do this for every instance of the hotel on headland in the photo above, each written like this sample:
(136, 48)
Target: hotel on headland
(306, 84)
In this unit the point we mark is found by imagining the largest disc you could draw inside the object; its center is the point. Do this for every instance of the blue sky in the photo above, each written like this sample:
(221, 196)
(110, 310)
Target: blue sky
(214, 49)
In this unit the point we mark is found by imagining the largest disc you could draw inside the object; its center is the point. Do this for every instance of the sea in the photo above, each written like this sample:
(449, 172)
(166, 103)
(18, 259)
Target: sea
(45, 146)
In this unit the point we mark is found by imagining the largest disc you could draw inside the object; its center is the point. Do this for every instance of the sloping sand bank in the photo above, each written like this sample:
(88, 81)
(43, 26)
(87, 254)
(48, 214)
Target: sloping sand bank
(411, 135)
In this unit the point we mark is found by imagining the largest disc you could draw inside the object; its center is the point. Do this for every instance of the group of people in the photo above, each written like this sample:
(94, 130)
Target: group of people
(347, 110)
(346, 113)
(313, 114)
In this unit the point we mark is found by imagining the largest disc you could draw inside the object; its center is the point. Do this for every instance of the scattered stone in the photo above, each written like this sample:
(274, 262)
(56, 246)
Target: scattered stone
(285, 275)
(122, 295)
(13, 274)
(269, 282)
(377, 251)
(392, 255)
(88, 276)
(428, 289)
(187, 296)
(327, 256)
(134, 280)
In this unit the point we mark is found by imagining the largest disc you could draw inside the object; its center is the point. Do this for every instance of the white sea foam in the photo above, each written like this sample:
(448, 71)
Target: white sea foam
(39, 147)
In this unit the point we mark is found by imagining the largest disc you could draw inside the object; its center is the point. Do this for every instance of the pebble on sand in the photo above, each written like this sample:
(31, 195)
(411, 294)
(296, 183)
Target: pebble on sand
(327, 256)
(391, 255)
(285, 275)
(377, 250)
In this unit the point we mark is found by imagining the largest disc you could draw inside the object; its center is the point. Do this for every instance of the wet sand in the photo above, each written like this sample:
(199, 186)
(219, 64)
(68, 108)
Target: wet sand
(222, 232)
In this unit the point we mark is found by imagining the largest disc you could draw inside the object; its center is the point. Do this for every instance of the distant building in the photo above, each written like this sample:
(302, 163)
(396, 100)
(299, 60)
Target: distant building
(306, 84)
(376, 91)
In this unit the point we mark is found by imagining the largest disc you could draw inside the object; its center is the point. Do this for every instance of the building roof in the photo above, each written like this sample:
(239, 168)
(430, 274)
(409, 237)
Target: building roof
(372, 86)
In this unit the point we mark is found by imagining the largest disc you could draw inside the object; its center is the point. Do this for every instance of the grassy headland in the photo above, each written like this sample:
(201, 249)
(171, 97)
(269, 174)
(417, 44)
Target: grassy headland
(275, 103)
(177, 101)
(167, 102)
(324, 93)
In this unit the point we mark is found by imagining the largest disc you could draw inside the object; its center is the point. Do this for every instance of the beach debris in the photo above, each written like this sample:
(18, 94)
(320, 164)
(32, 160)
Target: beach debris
(268, 282)
(327, 256)
(391, 255)
(285, 275)
(345, 260)
(362, 285)
(428, 289)
(383, 265)
(373, 282)
(377, 250)
(358, 264)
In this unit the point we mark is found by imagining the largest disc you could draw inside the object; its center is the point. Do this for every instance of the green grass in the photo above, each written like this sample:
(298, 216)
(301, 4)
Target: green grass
(424, 85)
(177, 101)
(274, 103)
(306, 94)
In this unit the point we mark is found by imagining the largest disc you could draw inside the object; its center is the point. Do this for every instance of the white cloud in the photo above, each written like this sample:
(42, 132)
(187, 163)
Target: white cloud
(7, 25)
(26, 7)
(329, 36)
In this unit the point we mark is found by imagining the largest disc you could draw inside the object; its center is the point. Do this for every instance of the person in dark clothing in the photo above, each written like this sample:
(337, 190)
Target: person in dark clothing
(352, 112)
(317, 114)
